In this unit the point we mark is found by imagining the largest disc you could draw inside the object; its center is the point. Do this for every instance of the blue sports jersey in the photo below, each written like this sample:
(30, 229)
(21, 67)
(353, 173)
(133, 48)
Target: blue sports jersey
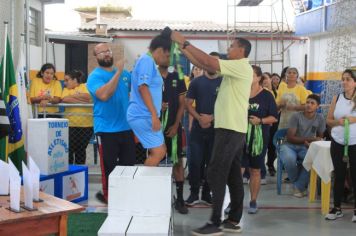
(110, 115)
(145, 72)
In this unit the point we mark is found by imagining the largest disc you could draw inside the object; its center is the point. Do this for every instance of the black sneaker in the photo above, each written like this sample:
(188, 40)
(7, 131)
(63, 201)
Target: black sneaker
(272, 171)
(230, 227)
(208, 229)
(192, 200)
(334, 214)
(180, 207)
(206, 199)
(100, 196)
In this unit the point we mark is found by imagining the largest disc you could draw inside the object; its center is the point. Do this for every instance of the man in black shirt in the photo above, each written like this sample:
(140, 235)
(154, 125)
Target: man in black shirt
(174, 91)
(203, 90)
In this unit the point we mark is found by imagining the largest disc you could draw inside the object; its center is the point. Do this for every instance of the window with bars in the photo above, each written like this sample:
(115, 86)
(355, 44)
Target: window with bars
(34, 27)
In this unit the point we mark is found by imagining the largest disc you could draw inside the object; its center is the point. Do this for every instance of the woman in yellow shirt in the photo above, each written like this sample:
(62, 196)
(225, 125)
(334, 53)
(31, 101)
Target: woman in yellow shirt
(46, 89)
(80, 118)
(291, 97)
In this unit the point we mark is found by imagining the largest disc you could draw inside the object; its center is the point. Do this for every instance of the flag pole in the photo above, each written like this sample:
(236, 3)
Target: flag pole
(4, 60)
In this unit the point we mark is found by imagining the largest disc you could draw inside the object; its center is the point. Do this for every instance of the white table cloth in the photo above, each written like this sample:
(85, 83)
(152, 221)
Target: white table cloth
(318, 157)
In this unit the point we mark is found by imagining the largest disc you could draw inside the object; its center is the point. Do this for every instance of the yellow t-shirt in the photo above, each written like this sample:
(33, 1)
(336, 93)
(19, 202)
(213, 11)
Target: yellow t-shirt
(290, 96)
(231, 105)
(78, 120)
(39, 88)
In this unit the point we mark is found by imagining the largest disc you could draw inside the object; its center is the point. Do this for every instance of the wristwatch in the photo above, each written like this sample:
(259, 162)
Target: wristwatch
(185, 44)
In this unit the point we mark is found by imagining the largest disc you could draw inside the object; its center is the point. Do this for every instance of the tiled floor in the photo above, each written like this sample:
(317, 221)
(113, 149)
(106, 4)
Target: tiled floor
(278, 215)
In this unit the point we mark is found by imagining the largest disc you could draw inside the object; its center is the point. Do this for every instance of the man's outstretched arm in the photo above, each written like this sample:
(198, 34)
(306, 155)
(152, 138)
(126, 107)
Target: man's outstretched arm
(195, 55)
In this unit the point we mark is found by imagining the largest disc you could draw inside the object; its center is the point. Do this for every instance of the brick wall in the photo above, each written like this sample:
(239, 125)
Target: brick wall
(117, 50)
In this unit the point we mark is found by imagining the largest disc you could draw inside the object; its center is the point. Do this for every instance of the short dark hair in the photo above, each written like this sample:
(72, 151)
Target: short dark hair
(77, 75)
(45, 67)
(244, 43)
(160, 41)
(314, 97)
(257, 70)
(215, 54)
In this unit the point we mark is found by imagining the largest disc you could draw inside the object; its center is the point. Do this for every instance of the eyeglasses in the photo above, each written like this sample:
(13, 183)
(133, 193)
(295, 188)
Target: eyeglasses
(107, 52)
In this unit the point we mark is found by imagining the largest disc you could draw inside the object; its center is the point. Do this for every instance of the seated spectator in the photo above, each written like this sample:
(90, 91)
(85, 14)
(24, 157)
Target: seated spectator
(303, 128)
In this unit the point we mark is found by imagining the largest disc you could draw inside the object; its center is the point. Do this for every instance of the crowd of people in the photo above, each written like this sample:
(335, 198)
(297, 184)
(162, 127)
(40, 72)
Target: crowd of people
(230, 112)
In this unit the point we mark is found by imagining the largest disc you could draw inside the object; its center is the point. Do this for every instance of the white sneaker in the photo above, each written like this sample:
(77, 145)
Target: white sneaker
(354, 218)
(299, 194)
(245, 180)
(334, 214)
(263, 181)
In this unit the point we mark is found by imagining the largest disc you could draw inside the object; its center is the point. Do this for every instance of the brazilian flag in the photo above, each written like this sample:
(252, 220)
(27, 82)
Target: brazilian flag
(11, 146)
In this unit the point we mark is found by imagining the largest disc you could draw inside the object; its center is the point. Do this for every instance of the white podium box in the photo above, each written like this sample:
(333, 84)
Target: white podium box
(149, 226)
(115, 226)
(136, 226)
(48, 144)
(140, 191)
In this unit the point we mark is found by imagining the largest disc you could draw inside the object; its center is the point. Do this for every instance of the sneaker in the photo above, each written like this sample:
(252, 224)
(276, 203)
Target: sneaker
(100, 196)
(227, 209)
(297, 193)
(245, 180)
(230, 227)
(180, 207)
(253, 208)
(272, 171)
(354, 217)
(192, 200)
(334, 214)
(263, 181)
(286, 180)
(206, 199)
(208, 229)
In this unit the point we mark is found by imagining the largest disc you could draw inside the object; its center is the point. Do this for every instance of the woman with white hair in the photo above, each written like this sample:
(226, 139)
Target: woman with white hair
(290, 98)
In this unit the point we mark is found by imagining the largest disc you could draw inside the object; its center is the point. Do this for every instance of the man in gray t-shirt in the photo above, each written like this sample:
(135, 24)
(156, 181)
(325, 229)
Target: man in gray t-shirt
(303, 128)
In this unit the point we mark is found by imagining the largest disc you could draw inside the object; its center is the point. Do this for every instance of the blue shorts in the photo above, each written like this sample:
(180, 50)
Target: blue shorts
(142, 127)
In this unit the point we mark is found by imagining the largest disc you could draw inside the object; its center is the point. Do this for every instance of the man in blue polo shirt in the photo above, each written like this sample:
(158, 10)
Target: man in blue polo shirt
(109, 87)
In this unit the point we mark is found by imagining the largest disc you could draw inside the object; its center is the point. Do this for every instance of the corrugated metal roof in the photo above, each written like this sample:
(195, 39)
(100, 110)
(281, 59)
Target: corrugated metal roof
(197, 26)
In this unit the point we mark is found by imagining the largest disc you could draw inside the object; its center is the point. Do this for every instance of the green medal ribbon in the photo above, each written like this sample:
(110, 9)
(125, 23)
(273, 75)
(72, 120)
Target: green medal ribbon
(257, 143)
(174, 141)
(175, 55)
(346, 140)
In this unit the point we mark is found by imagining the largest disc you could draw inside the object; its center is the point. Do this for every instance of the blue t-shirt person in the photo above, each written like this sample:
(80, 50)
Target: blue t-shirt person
(139, 117)
(110, 115)
(145, 72)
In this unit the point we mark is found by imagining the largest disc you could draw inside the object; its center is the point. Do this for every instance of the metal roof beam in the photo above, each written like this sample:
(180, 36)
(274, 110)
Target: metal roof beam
(249, 3)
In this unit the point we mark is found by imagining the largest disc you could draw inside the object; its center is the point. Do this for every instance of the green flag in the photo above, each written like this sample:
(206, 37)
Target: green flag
(11, 146)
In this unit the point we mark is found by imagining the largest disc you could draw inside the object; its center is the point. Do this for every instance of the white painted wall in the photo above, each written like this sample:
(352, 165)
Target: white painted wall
(318, 53)
(58, 58)
(261, 50)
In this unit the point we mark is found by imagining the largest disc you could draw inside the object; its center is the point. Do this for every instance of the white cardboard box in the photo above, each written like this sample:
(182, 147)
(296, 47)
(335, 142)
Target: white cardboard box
(115, 226)
(140, 191)
(149, 226)
(48, 144)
